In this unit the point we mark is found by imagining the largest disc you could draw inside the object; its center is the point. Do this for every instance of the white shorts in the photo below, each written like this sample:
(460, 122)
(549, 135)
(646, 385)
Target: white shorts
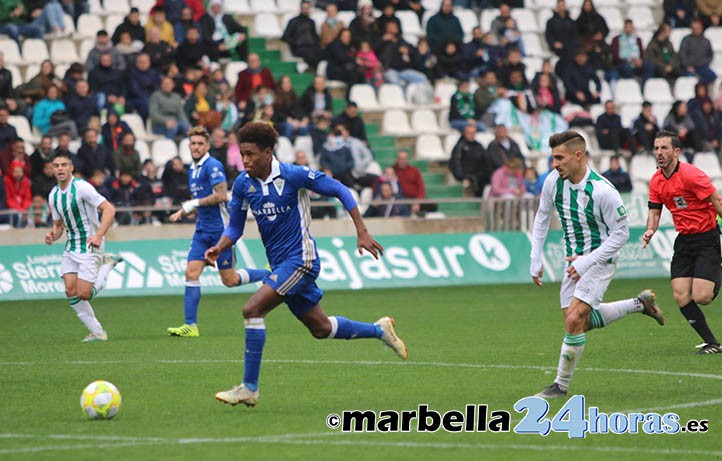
(84, 264)
(590, 288)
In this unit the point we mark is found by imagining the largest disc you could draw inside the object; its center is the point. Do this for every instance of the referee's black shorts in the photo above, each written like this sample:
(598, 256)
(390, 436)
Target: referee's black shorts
(698, 256)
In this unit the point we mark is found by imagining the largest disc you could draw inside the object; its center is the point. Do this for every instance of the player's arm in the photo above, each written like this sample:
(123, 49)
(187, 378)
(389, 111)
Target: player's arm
(322, 184)
(56, 233)
(219, 195)
(106, 220)
(542, 221)
(716, 200)
(655, 212)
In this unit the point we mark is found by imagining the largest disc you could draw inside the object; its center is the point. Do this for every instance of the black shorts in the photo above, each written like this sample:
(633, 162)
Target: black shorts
(698, 256)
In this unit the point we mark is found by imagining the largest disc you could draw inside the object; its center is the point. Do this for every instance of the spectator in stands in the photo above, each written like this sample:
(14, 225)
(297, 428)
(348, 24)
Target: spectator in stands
(81, 106)
(369, 65)
(341, 59)
(7, 131)
(175, 181)
(286, 106)
(661, 56)
(470, 163)
(192, 53)
(388, 15)
(352, 121)
(363, 158)
(709, 125)
(645, 128)
(499, 23)
(512, 36)
(6, 80)
(108, 85)
(42, 155)
(15, 152)
(74, 74)
(219, 146)
(617, 176)
(679, 13)
(399, 58)
(39, 213)
(484, 97)
(165, 28)
(183, 24)
(611, 135)
(679, 121)
(63, 147)
(125, 191)
(520, 93)
(364, 26)
(143, 80)
(252, 77)
(161, 52)
(37, 87)
(700, 96)
(332, 25)
(199, 110)
(577, 80)
(444, 27)
(17, 191)
(408, 5)
(44, 110)
(174, 8)
(103, 45)
(319, 132)
(47, 15)
(44, 182)
(696, 54)
(514, 61)
(113, 130)
(562, 34)
(475, 55)
(531, 181)
(592, 26)
(336, 158)
(462, 109)
(301, 36)
(451, 62)
(628, 54)
(132, 25)
(93, 156)
(385, 205)
(546, 94)
(223, 33)
(166, 111)
(503, 148)
(424, 61)
(411, 181)
(316, 101)
(126, 158)
(508, 180)
(709, 12)
(13, 24)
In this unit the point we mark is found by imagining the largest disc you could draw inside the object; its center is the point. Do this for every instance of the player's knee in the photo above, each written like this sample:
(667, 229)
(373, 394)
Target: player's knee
(84, 295)
(704, 297)
(320, 331)
(574, 323)
(230, 280)
(70, 292)
(251, 311)
(682, 299)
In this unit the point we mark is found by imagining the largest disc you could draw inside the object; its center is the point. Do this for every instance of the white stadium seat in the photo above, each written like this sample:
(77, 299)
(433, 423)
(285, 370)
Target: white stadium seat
(232, 70)
(677, 35)
(709, 163)
(526, 20)
(117, 7)
(289, 6)
(424, 121)
(684, 88)
(11, 51)
(144, 6)
(642, 167)
(391, 96)
(714, 35)
(629, 113)
(35, 51)
(284, 150)
(237, 7)
(263, 6)
(395, 122)
(428, 147)
(443, 91)
(364, 96)
(63, 50)
(533, 46)
(656, 90)
(143, 149)
(184, 150)
(89, 25)
(642, 17)
(468, 20)
(15, 72)
(162, 151)
(135, 122)
(266, 25)
(112, 22)
(627, 92)
(487, 17)
(22, 127)
(614, 18)
(409, 23)
(450, 141)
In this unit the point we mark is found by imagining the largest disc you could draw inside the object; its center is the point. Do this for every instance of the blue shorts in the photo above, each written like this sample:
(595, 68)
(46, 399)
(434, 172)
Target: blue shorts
(203, 241)
(296, 281)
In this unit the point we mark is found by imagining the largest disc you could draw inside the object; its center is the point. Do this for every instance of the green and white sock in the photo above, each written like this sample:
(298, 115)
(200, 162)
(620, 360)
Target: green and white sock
(610, 312)
(86, 314)
(572, 349)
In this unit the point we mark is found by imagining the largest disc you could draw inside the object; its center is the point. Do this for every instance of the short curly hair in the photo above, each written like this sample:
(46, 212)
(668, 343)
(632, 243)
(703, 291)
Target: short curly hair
(261, 134)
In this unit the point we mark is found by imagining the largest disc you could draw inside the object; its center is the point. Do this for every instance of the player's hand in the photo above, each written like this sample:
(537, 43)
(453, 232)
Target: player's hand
(177, 216)
(368, 243)
(571, 270)
(212, 254)
(49, 238)
(646, 237)
(537, 279)
(95, 241)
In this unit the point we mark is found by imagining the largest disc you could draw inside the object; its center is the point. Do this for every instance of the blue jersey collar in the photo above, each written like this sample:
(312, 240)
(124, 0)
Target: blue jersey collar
(200, 162)
(275, 171)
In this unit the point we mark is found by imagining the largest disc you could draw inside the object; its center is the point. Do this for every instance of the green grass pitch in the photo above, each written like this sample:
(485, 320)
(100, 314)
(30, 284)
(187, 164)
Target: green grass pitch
(468, 345)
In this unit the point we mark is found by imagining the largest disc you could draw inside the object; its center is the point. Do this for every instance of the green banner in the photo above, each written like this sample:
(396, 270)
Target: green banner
(158, 266)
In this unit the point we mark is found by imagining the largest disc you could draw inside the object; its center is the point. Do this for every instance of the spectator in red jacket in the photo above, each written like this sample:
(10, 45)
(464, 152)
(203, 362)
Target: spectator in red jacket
(410, 179)
(17, 190)
(252, 77)
(15, 151)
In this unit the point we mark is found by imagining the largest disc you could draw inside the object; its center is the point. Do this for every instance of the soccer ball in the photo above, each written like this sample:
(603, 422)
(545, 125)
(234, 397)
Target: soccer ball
(100, 400)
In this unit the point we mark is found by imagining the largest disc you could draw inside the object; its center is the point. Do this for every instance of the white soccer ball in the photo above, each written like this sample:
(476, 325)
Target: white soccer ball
(100, 400)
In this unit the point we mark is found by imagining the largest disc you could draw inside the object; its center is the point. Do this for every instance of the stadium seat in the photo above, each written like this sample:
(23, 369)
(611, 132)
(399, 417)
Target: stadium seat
(642, 2)
(608, 3)
(12, 52)
(304, 144)
(485, 138)
(391, 96)
(395, 122)
(418, 95)
(468, 20)
(709, 163)
(89, 25)
(603, 163)
(684, 88)
(284, 150)
(642, 167)
(237, 7)
(31, 71)
(533, 46)
(136, 124)
(660, 112)
(656, 90)
(162, 151)
(627, 92)
(450, 141)
(606, 94)
(643, 18)
(85, 46)
(431, 5)
(318, 16)
(714, 35)
(22, 127)
(487, 17)
(263, 6)
(533, 65)
(68, 23)
(15, 72)
(595, 110)
(614, 18)
(409, 23)
(347, 16)
(544, 16)
(428, 147)
(184, 150)
(444, 121)
(424, 121)
(266, 25)
(232, 70)
(63, 50)
(113, 21)
(143, 149)
(289, 6)
(629, 113)
(411, 39)
(541, 165)
(117, 6)
(519, 138)
(34, 51)
(677, 35)
(94, 7)
(364, 95)
(144, 6)
(443, 91)
(526, 20)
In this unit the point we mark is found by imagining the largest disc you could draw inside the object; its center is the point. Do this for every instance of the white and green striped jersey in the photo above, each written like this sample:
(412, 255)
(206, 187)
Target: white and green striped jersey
(77, 206)
(592, 215)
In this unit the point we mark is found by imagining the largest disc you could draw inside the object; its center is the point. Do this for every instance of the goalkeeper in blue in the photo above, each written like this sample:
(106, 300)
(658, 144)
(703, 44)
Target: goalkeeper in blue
(207, 182)
(277, 195)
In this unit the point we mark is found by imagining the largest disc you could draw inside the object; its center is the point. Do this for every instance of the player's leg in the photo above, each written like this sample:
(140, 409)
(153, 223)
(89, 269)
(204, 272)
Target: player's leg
(108, 262)
(233, 278)
(254, 312)
(703, 293)
(191, 300)
(82, 281)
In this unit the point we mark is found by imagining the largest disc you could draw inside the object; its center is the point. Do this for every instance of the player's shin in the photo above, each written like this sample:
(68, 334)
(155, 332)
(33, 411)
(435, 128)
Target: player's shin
(571, 352)
(609, 312)
(696, 319)
(191, 300)
(343, 328)
(86, 314)
(248, 275)
(255, 340)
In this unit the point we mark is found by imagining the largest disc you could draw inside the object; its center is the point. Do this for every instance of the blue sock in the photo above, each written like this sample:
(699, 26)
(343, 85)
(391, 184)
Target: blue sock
(252, 275)
(255, 340)
(192, 298)
(343, 328)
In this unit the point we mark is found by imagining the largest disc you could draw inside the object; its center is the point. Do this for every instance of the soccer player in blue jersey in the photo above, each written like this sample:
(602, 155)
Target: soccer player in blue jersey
(207, 182)
(277, 195)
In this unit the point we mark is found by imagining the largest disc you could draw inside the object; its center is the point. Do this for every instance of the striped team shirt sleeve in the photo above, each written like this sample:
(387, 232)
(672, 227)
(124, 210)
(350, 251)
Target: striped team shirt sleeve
(542, 220)
(89, 194)
(51, 204)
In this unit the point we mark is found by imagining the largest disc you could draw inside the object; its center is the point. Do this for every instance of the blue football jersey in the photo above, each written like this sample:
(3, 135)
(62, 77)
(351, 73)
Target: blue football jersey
(282, 209)
(203, 175)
